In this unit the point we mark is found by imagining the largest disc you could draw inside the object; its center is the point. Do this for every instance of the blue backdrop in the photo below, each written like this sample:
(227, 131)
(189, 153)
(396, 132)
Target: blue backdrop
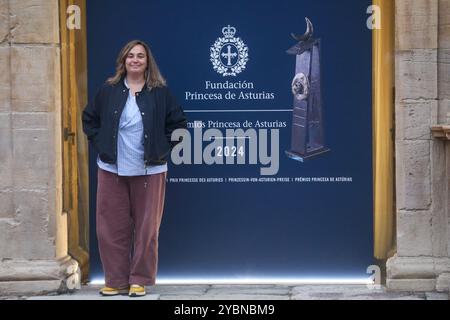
(255, 229)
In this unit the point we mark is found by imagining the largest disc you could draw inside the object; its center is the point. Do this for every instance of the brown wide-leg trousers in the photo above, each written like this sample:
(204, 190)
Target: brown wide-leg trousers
(129, 212)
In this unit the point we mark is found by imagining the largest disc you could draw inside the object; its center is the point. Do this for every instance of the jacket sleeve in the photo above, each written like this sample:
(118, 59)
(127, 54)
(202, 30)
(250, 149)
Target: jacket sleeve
(91, 118)
(175, 117)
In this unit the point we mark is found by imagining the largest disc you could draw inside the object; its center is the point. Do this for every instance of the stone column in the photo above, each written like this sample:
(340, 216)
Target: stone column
(33, 229)
(422, 261)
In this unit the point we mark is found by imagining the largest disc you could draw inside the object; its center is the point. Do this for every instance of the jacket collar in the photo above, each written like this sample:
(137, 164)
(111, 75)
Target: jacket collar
(124, 85)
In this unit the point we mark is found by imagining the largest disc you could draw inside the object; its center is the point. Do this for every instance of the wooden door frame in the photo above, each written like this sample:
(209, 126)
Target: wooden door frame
(383, 87)
(75, 148)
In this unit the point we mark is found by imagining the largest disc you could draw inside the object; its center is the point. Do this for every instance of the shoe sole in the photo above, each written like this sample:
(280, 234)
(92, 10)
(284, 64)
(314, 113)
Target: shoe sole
(124, 293)
(136, 295)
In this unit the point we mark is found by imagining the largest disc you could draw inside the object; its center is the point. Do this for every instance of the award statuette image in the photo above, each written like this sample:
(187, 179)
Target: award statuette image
(307, 138)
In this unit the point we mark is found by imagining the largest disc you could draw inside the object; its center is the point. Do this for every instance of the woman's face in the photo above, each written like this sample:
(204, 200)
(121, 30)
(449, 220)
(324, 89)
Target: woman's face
(136, 60)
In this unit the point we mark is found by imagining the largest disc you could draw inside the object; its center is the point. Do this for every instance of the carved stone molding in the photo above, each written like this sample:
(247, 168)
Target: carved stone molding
(35, 277)
(441, 132)
(418, 273)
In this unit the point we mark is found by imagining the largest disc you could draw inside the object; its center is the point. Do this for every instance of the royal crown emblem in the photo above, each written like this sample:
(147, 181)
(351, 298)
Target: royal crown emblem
(229, 54)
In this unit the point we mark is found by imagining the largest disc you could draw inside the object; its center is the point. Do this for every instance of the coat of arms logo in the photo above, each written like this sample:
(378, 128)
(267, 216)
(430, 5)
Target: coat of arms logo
(229, 54)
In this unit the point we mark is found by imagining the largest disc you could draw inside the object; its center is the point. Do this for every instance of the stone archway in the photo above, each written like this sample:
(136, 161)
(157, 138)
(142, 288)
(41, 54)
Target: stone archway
(40, 232)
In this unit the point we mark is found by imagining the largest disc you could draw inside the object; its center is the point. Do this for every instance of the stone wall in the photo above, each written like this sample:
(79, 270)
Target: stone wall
(33, 229)
(33, 254)
(422, 36)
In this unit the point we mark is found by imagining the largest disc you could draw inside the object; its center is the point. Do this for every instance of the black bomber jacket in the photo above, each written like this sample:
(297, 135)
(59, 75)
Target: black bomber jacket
(161, 115)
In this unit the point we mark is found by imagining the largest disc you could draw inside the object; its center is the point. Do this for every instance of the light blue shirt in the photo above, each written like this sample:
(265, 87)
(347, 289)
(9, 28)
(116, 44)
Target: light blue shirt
(130, 144)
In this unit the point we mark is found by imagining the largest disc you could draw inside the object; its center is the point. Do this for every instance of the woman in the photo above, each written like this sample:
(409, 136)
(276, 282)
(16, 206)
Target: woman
(129, 123)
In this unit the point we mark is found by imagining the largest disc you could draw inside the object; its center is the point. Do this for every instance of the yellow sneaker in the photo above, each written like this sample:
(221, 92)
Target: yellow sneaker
(136, 291)
(108, 291)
